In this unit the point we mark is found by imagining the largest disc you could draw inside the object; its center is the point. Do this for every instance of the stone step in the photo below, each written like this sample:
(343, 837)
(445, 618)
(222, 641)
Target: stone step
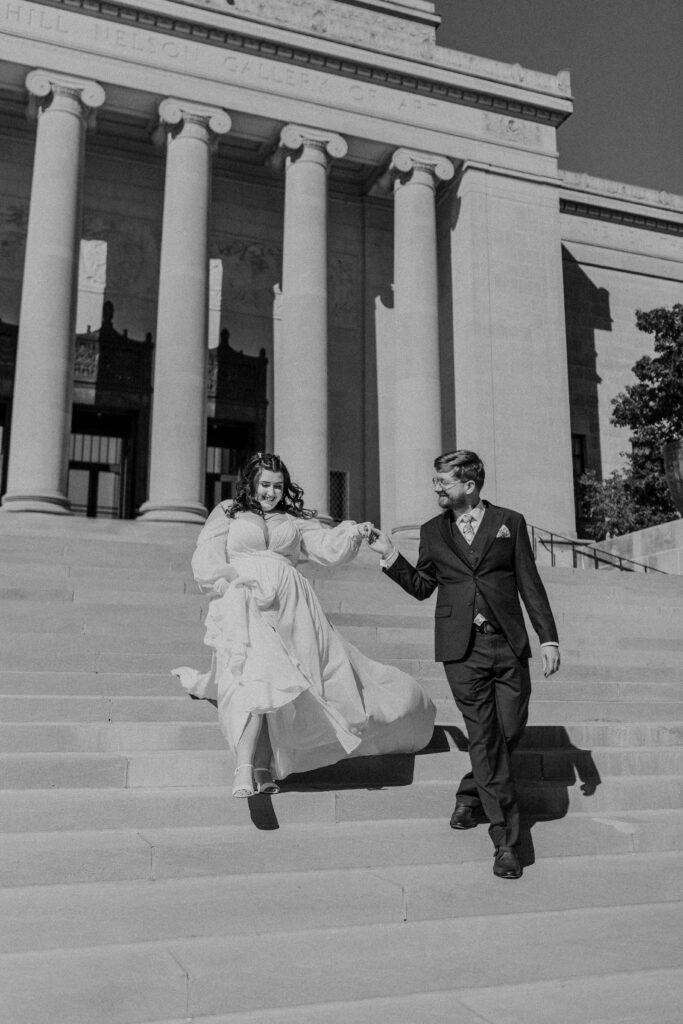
(635, 997)
(178, 708)
(110, 914)
(32, 810)
(49, 858)
(85, 684)
(188, 768)
(370, 598)
(105, 684)
(89, 592)
(639, 622)
(559, 712)
(90, 654)
(45, 737)
(186, 978)
(559, 688)
(35, 618)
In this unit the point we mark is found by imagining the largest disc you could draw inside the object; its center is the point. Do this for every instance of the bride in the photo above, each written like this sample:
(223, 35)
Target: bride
(292, 694)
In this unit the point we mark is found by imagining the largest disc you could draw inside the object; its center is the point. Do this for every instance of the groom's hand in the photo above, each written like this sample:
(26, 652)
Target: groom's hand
(551, 659)
(380, 542)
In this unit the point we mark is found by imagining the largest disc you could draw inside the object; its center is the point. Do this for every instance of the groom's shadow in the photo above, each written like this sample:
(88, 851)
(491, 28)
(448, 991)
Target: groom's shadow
(550, 771)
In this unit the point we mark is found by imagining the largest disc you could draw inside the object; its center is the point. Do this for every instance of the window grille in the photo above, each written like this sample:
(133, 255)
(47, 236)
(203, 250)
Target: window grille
(339, 494)
(96, 448)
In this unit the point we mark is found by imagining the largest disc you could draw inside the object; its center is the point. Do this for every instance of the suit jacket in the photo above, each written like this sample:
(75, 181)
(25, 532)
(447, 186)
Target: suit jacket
(501, 567)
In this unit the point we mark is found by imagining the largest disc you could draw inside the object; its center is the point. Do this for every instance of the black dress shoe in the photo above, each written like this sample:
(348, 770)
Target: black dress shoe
(506, 863)
(464, 816)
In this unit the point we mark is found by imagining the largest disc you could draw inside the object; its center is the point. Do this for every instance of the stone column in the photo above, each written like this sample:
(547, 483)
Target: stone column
(417, 388)
(178, 446)
(509, 342)
(43, 383)
(300, 361)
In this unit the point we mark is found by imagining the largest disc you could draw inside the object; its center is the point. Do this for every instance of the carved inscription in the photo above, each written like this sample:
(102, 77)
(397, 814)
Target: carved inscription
(149, 50)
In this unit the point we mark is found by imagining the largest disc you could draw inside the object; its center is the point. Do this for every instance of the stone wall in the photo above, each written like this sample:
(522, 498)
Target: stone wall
(622, 250)
(659, 546)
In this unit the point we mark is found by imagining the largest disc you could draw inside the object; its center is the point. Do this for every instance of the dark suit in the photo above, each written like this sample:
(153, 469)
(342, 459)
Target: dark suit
(488, 674)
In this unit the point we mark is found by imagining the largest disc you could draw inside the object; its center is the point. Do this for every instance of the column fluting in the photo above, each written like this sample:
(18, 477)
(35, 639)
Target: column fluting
(43, 383)
(178, 444)
(417, 397)
(300, 363)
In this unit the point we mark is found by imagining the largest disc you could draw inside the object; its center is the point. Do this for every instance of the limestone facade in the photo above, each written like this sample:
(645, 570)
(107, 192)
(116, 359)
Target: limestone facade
(394, 232)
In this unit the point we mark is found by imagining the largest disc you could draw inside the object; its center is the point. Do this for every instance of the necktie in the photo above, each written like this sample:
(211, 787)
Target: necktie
(466, 527)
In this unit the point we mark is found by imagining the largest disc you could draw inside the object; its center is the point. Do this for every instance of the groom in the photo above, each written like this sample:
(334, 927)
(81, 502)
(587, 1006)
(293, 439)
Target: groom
(479, 557)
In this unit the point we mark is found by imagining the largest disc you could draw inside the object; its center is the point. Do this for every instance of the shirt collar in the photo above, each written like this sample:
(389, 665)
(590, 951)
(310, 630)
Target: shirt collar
(477, 513)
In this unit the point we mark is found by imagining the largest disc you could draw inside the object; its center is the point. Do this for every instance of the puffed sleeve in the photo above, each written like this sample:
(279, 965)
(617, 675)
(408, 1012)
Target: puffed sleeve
(210, 565)
(329, 547)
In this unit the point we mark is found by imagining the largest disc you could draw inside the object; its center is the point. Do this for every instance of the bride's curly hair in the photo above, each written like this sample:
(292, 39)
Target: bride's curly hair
(292, 500)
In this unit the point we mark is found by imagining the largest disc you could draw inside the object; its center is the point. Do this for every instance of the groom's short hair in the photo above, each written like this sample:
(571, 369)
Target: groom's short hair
(462, 465)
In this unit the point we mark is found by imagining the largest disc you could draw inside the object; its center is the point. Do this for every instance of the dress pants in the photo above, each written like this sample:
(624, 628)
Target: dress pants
(491, 687)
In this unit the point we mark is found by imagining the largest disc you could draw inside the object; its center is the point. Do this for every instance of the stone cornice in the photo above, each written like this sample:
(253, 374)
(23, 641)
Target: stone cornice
(594, 211)
(621, 192)
(582, 195)
(527, 95)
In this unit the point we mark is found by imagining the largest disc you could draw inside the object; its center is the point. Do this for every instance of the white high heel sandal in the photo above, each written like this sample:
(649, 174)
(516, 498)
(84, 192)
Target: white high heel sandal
(265, 782)
(242, 790)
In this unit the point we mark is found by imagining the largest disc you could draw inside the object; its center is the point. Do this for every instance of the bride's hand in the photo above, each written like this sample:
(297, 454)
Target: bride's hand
(365, 530)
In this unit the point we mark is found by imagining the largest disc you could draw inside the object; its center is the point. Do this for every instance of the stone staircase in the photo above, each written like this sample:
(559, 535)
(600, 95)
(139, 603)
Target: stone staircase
(136, 891)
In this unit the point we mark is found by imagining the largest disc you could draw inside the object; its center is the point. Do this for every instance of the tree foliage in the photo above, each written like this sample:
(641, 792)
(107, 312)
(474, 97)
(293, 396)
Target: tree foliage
(652, 408)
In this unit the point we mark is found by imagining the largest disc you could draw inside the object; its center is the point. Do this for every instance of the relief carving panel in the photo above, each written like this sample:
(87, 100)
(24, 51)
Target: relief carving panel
(334, 20)
(13, 227)
(133, 247)
(511, 130)
(252, 268)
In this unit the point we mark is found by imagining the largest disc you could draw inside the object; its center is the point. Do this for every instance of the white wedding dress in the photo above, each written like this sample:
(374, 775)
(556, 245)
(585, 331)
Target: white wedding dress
(275, 653)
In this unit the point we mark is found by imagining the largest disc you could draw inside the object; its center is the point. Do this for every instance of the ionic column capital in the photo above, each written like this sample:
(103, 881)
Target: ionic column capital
(58, 91)
(196, 119)
(411, 164)
(299, 142)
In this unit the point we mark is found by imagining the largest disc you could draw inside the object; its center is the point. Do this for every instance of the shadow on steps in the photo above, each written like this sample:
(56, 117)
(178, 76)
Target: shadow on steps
(544, 770)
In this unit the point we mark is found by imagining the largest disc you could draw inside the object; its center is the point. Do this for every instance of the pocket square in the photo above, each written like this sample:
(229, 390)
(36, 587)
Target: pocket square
(503, 533)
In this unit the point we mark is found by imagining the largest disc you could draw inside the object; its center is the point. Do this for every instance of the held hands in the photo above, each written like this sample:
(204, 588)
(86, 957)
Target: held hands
(376, 539)
(551, 659)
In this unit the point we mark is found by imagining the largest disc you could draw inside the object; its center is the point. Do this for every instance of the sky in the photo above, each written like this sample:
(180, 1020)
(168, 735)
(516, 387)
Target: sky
(626, 64)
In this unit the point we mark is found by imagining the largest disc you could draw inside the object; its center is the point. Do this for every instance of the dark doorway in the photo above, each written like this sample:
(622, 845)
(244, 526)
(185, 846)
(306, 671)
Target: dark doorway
(228, 446)
(100, 464)
(4, 446)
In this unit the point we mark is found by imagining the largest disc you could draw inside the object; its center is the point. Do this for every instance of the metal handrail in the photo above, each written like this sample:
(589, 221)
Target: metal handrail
(580, 547)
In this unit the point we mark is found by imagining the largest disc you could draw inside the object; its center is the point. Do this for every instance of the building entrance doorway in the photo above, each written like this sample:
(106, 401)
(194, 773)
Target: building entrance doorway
(228, 446)
(100, 464)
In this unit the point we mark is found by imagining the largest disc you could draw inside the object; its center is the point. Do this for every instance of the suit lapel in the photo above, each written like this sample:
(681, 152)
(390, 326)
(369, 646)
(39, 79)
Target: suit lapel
(488, 529)
(454, 539)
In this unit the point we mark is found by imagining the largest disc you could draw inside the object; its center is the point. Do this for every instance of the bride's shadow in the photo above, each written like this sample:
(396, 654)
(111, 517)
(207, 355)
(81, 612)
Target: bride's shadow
(379, 771)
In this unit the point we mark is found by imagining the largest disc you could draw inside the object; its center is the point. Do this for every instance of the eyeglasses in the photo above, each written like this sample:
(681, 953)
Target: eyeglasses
(441, 485)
